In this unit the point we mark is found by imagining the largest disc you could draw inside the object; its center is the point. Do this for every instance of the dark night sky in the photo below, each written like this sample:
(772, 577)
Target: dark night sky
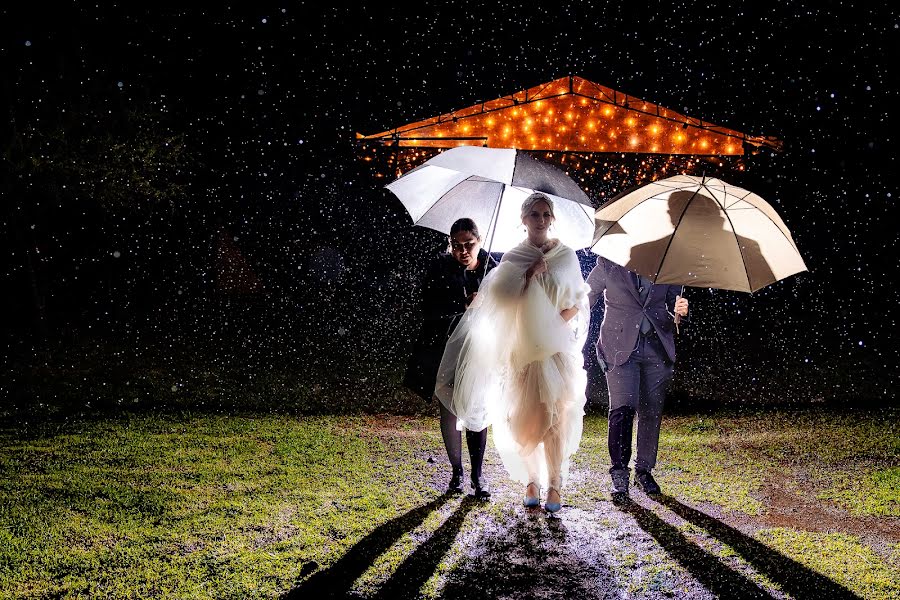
(269, 96)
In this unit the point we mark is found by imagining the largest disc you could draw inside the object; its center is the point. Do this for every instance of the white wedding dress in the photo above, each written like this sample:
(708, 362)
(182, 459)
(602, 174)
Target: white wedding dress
(513, 362)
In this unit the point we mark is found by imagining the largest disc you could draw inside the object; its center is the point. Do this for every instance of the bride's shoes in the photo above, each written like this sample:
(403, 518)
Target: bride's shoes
(532, 495)
(553, 506)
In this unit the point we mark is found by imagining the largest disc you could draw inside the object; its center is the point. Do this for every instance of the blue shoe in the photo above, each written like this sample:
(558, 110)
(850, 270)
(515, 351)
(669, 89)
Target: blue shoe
(532, 501)
(552, 507)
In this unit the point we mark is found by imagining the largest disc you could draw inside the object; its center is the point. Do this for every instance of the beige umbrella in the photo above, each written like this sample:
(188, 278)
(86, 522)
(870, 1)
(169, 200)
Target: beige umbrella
(697, 231)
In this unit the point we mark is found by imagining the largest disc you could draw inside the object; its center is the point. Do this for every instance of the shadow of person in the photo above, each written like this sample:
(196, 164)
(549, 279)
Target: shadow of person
(701, 250)
(335, 581)
(712, 573)
(794, 578)
(419, 566)
(532, 556)
(556, 529)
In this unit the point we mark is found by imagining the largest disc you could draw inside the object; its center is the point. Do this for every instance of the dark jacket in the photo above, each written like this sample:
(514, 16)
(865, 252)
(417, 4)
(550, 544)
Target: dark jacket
(623, 312)
(445, 289)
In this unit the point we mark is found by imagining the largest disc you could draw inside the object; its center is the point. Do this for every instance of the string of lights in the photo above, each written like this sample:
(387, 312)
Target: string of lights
(572, 114)
(604, 139)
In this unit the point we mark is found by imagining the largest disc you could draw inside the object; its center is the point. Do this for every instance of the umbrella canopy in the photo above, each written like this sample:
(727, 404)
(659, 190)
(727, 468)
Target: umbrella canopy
(696, 231)
(489, 185)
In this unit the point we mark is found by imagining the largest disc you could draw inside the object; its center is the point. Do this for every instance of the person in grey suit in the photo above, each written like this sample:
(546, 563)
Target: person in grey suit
(636, 349)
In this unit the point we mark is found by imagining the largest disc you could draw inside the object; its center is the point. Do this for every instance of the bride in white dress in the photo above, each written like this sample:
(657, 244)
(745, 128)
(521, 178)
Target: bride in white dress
(515, 359)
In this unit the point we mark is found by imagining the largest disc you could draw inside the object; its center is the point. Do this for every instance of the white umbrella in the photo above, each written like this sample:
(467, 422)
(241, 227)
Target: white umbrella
(697, 231)
(489, 185)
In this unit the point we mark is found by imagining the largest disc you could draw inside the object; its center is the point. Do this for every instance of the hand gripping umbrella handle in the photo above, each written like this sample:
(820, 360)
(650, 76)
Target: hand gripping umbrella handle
(677, 316)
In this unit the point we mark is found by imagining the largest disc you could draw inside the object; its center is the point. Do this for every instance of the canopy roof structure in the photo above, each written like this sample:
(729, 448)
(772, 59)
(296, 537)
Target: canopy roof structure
(572, 114)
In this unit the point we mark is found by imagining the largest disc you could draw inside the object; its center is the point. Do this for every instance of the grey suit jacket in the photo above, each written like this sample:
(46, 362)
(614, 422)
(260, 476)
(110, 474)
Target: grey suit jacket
(623, 312)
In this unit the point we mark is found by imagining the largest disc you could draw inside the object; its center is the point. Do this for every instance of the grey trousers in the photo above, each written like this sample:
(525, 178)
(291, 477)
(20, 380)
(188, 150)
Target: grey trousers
(638, 386)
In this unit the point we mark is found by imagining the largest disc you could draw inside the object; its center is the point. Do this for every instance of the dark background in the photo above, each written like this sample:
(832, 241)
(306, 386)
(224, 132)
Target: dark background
(187, 221)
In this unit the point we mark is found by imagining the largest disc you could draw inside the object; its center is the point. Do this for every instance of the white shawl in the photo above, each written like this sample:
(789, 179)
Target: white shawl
(506, 329)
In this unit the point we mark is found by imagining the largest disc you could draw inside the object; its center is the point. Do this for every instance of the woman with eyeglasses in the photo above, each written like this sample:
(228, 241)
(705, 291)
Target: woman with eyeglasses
(451, 284)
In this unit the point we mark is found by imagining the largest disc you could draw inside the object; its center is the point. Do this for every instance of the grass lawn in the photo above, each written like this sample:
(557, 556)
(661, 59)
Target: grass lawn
(199, 506)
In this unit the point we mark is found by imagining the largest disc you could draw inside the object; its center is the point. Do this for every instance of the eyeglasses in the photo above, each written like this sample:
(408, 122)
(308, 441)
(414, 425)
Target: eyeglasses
(468, 246)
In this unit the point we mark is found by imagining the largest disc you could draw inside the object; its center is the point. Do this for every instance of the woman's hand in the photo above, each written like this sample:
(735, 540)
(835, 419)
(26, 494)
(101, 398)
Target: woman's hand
(568, 313)
(537, 267)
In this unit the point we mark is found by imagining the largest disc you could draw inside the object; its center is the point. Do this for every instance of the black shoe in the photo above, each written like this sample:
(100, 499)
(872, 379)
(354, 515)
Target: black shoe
(619, 481)
(480, 488)
(643, 480)
(455, 485)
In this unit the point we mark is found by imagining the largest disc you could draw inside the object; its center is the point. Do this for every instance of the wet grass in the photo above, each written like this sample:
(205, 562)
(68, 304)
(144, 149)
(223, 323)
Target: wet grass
(221, 506)
(843, 557)
(850, 457)
(866, 492)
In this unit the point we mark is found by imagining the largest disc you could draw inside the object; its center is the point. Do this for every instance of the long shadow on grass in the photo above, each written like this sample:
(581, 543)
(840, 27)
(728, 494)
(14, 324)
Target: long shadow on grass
(794, 578)
(418, 568)
(336, 580)
(715, 575)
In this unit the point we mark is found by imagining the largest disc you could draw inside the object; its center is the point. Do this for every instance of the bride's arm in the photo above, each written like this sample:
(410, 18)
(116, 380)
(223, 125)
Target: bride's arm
(575, 288)
(569, 313)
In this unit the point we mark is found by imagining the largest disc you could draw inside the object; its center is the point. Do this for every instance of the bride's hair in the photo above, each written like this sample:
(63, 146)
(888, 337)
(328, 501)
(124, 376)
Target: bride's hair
(534, 199)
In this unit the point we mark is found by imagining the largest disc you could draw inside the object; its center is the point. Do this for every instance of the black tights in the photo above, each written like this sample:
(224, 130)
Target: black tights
(475, 440)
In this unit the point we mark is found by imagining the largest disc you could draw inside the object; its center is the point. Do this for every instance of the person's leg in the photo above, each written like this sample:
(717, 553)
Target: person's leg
(621, 424)
(477, 442)
(623, 382)
(553, 451)
(656, 376)
(453, 445)
(533, 489)
(624, 387)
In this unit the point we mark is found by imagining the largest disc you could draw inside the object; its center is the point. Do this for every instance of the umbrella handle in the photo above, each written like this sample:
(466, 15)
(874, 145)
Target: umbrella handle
(677, 316)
